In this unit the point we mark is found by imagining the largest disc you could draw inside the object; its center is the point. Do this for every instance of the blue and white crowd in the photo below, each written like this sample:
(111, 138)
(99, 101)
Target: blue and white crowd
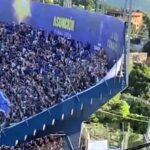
(38, 71)
(51, 142)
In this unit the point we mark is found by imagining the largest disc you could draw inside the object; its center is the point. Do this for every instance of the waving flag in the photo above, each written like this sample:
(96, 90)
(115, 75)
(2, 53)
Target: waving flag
(114, 70)
(4, 104)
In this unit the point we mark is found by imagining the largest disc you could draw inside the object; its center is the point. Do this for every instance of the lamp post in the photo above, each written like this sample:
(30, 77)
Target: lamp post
(128, 35)
(97, 5)
(125, 10)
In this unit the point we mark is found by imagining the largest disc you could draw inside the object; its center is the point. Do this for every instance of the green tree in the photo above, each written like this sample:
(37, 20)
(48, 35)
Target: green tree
(48, 1)
(139, 110)
(132, 105)
(44, 1)
(121, 107)
(141, 107)
(124, 109)
(117, 106)
(133, 30)
(139, 81)
(143, 32)
(147, 23)
(89, 4)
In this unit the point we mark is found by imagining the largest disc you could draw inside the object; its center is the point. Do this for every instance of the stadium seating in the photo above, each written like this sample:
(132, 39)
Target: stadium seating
(38, 72)
(52, 142)
(56, 71)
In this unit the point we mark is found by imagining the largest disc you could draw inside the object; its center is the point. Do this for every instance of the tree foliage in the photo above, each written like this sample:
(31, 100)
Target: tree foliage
(88, 4)
(133, 30)
(117, 106)
(132, 105)
(139, 81)
(147, 23)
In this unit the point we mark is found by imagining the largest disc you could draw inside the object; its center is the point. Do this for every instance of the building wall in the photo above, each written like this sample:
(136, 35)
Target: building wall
(148, 61)
(137, 19)
(138, 57)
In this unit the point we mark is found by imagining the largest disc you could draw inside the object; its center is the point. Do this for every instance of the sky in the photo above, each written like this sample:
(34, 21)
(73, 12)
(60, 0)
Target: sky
(143, 5)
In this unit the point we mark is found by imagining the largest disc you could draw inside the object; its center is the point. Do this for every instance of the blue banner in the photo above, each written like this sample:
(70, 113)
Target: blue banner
(99, 30)
(4, 104)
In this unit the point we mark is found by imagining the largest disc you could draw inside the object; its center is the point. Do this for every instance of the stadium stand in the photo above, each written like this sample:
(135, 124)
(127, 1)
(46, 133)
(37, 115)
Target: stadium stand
(51, 142)
(45, 70)
(56, 71)
(42, 67)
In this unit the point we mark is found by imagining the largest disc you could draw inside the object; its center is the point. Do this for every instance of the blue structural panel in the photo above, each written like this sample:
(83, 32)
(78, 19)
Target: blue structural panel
(72, 111)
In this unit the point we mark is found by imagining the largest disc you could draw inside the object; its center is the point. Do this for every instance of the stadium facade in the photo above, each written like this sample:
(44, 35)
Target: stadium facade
(94, 28)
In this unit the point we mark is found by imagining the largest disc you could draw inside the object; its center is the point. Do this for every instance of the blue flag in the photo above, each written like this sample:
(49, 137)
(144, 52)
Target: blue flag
(4, 104)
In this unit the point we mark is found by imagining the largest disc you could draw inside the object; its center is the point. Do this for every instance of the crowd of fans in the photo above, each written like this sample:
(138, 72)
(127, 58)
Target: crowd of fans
(51, 142)
(38, 71)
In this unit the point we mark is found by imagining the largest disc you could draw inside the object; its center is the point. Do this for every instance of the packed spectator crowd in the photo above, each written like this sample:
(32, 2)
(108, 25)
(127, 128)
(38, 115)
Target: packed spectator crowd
(38, 71)
(51, 142)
